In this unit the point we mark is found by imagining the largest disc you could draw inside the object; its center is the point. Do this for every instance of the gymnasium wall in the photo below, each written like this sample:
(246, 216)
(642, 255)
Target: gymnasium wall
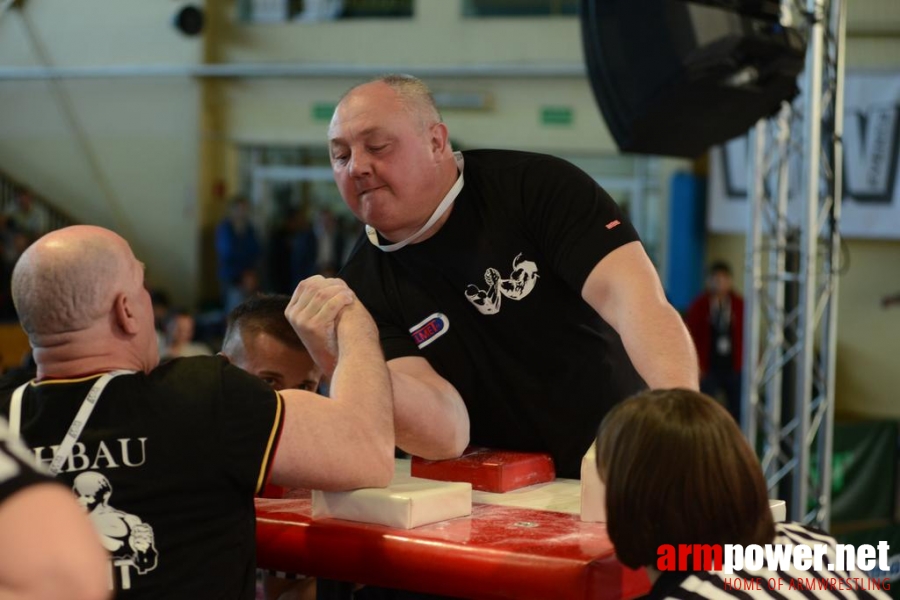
(154, 157)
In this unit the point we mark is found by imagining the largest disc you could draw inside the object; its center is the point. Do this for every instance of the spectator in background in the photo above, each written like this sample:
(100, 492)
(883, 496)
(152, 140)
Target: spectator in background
(25, 217)
(716, 322)
(247, 287)
(14, 243)
(278, 251)
(304, 250)
(237, 251)
(180, 342)
(327, 237)
(20, 225)
(161, 308)
(48, 548)
(351, 230)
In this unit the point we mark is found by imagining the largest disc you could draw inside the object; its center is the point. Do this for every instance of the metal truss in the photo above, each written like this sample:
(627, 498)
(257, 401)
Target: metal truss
(793, 256)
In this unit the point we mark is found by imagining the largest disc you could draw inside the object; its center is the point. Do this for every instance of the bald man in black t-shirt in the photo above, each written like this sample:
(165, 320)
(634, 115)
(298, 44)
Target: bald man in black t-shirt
(167, 458)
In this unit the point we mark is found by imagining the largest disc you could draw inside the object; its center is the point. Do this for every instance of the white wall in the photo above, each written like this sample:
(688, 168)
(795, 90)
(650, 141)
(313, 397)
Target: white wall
(123, 152)
(438, 38)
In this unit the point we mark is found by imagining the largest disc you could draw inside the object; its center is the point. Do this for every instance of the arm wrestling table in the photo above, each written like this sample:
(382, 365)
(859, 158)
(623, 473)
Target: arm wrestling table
(523, 545)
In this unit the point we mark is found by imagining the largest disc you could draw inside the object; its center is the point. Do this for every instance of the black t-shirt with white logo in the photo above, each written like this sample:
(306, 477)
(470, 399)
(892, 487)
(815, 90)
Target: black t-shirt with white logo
(493, 301)
(167, 468)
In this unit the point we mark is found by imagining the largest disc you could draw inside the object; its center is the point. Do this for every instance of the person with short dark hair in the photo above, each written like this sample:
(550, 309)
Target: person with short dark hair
(260, 340)
(677, 470)
(715, 320)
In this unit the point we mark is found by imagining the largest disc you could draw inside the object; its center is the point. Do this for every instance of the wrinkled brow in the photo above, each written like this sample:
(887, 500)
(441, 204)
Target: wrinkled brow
(368, 131)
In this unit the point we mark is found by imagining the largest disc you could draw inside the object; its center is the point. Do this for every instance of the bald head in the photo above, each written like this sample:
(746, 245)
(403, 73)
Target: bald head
(391, 155)
(412, 92)
(68, 279)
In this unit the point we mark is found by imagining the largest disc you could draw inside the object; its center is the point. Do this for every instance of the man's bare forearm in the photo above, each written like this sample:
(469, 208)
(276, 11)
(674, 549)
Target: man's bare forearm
(430, 418)
(625, 290)
(346, 441)
(362, 380)
(661, 349)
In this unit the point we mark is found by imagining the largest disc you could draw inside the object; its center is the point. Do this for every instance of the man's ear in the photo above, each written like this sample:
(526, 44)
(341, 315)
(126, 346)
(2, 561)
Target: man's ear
(439, 135)
(124, 315)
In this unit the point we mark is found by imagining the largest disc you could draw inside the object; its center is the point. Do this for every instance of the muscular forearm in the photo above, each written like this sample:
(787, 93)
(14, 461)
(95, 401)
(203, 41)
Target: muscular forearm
(346, 441)
(626, 292)
(661, 349)
(361, 380)
(430, 418)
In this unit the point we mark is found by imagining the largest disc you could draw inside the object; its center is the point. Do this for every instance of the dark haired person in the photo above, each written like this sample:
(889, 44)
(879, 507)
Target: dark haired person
(677, 470)
(260, 340)
(716, 321)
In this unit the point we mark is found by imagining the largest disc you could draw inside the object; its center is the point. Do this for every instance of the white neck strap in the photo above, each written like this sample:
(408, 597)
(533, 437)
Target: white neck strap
(81, 417)
(439, 212)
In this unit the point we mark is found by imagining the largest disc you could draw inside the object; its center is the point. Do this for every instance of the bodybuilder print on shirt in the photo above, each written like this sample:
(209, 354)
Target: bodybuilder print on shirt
(519, 284)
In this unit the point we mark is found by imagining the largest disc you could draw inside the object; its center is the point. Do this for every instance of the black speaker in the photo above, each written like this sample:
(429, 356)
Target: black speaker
(674, 77)
(188, 19)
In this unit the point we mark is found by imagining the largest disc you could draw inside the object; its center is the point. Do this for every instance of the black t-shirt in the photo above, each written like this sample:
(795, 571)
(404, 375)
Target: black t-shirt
(167, 468)
(493, 301)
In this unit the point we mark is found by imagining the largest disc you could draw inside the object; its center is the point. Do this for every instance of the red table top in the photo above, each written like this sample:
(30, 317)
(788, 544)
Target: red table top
(499, 552)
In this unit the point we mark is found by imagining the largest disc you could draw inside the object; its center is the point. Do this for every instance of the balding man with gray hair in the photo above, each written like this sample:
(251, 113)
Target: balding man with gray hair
(179, 450)
(515, 302)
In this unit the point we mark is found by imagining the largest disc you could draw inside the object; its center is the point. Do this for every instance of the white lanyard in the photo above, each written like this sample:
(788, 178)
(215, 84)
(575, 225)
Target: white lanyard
(81, 417)
(721, 317)
(442, 208)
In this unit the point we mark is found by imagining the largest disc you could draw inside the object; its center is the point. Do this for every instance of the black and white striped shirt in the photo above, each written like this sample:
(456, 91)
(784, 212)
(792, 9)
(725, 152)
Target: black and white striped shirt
(789, 584)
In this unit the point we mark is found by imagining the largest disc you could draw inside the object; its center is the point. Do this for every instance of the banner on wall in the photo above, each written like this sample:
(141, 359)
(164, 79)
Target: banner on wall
(871, 198)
